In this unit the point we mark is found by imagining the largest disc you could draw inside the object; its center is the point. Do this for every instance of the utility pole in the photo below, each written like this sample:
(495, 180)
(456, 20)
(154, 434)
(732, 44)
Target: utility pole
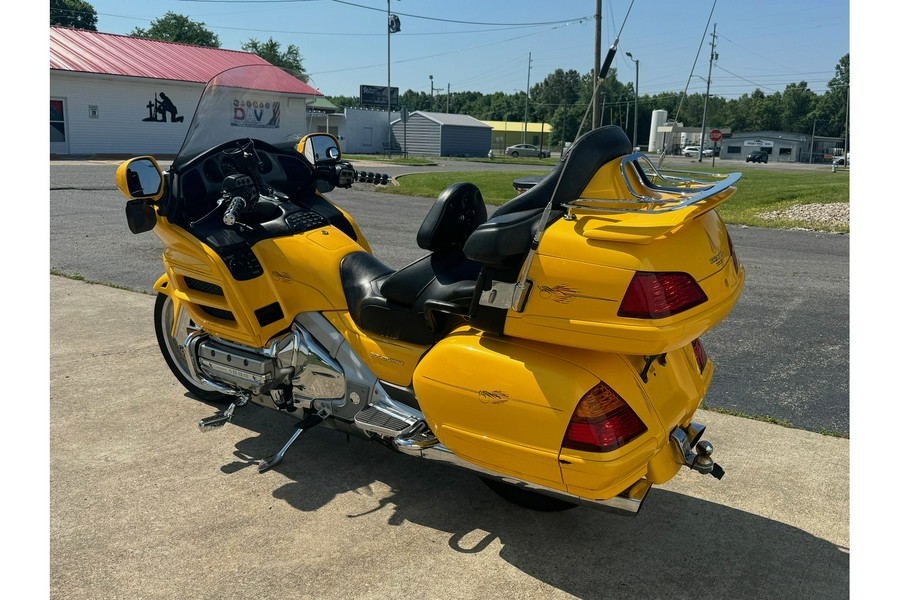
(389, 71)
(598, 18)
(812, 142)
(393, 26)
(448, 98)
(527, 88)
(847, 126)
(712, 56)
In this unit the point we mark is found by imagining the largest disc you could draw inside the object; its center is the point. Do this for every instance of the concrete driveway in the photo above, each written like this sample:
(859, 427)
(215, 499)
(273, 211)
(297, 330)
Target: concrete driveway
(143, 505)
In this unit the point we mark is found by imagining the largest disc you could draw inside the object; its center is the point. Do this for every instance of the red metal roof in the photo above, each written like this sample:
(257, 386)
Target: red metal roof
(105, 53)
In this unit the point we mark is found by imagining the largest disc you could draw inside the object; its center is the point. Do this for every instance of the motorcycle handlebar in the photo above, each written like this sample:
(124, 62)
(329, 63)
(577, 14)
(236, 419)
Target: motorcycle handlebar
(346, 175)
(369, 177)
(234, 210)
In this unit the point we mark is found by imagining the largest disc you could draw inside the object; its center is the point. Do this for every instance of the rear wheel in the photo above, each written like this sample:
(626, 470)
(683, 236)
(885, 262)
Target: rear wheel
(172, 347)
(526, 498)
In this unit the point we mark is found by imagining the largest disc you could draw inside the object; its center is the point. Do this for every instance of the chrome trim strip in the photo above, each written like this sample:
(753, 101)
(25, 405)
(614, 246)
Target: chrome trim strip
(629, 502)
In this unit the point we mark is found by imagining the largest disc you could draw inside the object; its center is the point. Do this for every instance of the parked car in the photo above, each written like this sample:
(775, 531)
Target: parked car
(526, 150)
(841, 161)
(694, 151)
(758, 156)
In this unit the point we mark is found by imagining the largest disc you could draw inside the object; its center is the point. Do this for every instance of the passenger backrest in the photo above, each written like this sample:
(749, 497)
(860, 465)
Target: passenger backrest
(456, 213)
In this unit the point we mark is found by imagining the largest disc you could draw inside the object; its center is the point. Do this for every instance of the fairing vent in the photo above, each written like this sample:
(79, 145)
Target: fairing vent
(269, 314)
(203, 286)
(225, 315)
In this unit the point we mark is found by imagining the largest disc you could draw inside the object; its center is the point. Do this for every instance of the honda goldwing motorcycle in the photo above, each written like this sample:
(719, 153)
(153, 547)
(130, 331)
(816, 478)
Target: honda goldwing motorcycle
(553, 348)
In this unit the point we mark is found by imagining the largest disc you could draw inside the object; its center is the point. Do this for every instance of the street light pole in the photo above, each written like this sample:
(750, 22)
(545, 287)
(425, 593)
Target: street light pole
(527, 88)
(637, 74)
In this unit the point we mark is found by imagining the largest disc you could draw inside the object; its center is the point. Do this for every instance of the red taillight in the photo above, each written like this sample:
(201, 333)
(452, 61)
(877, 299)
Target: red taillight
(734, 258)
(603, 421)
(660, 295)
(699, 354)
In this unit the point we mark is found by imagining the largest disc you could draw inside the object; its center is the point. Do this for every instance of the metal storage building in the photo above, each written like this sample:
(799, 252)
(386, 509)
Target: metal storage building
(781, 146)
(441, 134)
(118, 95)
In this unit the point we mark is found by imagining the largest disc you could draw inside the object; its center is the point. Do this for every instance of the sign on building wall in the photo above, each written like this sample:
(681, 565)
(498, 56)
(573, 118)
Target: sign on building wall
(256, 113)
(759, 143)
(162, 107)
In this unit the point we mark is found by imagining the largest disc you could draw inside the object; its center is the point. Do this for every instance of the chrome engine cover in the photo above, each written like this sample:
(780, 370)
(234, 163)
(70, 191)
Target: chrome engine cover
(295, 360)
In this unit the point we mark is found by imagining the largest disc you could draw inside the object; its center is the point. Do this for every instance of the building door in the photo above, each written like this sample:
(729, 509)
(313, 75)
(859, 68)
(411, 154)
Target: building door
(59, 138)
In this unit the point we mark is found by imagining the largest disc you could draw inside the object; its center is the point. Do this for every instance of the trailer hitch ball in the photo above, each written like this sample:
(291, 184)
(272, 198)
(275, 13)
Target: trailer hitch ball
(704, 461)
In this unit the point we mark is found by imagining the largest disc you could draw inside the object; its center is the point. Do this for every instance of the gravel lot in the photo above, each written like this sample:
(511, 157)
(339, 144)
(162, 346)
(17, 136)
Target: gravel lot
(835, 213)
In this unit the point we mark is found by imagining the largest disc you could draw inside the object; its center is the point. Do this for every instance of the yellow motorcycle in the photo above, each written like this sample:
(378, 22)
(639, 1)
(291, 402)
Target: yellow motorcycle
(552, 348)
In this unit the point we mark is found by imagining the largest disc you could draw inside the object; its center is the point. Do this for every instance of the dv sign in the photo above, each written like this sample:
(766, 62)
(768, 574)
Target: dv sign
(715, 135)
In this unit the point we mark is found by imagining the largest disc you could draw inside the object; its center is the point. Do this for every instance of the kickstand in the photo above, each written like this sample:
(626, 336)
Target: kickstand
(303, 425)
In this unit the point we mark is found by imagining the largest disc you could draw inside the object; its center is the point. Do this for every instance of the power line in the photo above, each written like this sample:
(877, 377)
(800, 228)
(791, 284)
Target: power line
(411, 16)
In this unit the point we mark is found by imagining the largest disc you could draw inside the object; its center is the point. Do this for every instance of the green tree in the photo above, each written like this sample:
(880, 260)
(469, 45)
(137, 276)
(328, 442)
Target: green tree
(832, 106)
(289, 60)
(73, 13)
(173, 27)
(797, 104)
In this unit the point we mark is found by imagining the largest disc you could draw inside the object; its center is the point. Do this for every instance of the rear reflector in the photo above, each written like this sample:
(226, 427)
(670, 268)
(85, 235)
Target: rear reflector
(659, 295)
(602, 421)
(699, 354)
(734, 258)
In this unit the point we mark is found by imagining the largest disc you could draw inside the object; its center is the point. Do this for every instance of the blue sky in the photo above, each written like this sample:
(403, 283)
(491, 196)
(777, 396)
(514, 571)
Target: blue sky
(483, 45)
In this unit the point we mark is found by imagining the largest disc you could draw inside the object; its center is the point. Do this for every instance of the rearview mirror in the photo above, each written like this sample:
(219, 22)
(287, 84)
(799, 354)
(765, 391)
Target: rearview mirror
(320, 148)
(140, 178)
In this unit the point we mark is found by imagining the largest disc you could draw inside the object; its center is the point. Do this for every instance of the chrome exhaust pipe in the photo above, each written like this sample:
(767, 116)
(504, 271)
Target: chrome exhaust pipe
(627, 503)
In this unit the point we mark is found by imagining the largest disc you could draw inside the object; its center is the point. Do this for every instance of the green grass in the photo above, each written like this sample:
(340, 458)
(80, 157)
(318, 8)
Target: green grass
(496, 188)
(759, 191)
(393, 160)
(80, 277)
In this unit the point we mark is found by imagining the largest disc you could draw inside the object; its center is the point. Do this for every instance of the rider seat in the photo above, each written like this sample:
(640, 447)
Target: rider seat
(422, 301)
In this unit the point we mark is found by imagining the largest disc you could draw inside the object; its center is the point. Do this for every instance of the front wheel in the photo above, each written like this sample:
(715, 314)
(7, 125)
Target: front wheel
(171, 330)
(515, 155)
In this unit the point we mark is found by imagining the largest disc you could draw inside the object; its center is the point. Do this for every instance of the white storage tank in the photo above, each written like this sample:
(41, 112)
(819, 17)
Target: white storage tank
(657, 119)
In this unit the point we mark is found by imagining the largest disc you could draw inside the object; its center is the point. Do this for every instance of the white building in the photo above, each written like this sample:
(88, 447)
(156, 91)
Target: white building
(118, 95)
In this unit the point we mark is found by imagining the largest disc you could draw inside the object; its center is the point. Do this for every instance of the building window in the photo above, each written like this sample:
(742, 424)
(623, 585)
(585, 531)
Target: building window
(57, 121)
(733, 150)
(785, 151)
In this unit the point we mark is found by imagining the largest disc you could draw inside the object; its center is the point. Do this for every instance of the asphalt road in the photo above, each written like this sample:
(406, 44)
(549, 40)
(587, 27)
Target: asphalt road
(782, 354)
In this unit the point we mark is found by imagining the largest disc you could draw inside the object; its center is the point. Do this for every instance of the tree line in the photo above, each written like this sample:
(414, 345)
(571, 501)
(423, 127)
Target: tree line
(561, 99)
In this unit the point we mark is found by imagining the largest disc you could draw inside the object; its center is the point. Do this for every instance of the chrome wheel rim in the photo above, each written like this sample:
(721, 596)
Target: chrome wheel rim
(174, 343)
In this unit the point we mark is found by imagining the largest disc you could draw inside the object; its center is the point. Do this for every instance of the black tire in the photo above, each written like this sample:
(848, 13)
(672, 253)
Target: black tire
(515, 155)
(526, 498)
(163, 316)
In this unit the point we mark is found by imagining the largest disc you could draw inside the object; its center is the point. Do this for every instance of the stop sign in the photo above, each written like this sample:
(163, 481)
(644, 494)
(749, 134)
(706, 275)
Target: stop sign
(715, 135)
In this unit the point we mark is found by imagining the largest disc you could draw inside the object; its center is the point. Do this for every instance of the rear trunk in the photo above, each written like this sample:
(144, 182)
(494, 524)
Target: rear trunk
(615, 283)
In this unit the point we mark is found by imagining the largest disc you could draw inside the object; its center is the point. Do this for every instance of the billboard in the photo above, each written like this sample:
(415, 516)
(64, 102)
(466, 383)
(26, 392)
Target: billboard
(375, 96)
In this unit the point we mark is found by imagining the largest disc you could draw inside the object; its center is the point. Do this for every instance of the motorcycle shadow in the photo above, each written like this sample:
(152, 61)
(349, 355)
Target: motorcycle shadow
(677, 546)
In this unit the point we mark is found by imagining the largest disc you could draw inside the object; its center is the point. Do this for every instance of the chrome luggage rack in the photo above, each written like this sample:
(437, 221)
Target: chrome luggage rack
(686, 191)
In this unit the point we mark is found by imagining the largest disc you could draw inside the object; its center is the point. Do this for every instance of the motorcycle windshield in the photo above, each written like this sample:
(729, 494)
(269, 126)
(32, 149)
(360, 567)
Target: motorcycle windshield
(261, 102)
